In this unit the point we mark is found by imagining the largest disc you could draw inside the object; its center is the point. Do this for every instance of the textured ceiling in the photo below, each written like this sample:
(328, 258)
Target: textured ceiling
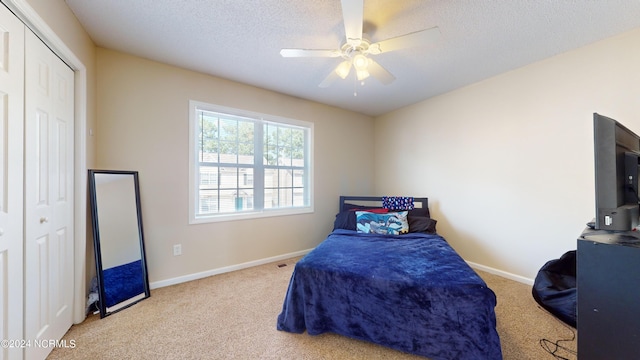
(240, 40)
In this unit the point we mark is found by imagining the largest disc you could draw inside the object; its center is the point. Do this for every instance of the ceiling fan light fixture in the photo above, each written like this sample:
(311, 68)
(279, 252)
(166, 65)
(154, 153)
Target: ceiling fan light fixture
(360, 62)
(343, 69)
(362, 74)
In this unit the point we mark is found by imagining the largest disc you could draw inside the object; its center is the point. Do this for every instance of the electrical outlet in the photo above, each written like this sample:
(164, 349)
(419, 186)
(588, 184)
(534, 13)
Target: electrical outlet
(177, 249)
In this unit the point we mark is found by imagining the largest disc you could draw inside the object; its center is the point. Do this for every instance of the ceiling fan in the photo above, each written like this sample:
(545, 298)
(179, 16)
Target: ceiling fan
(357, 49)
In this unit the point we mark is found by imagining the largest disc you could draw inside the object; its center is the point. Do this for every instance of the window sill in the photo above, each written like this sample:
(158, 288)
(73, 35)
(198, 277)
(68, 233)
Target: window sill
(250, 215)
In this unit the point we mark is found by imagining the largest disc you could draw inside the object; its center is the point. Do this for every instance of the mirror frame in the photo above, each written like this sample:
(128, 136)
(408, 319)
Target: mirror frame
(104, 311)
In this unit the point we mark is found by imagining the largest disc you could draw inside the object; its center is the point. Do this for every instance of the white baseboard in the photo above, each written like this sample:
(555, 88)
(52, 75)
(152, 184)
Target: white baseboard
(222, 270)
(204, 274)
(504, 274)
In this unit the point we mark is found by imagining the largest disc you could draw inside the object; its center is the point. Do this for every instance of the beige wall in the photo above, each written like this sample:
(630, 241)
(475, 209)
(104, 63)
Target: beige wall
(143, 125)
(508, 162)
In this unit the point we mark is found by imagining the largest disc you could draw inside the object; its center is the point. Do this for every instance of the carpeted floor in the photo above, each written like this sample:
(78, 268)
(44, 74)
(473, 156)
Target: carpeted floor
(233, 316)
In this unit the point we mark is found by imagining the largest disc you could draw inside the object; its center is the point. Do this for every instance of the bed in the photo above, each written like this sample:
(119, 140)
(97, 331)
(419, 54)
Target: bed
(411, 292)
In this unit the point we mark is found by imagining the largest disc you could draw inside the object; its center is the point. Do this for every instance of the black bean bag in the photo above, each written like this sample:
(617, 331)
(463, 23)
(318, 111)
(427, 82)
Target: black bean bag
(555, 287)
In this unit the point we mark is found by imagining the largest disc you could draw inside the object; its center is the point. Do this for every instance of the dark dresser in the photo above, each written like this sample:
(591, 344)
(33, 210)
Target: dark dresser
(608, 285)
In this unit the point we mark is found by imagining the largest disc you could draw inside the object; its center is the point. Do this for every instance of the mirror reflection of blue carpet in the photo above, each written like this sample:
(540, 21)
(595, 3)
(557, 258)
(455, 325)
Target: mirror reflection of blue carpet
(122, 282)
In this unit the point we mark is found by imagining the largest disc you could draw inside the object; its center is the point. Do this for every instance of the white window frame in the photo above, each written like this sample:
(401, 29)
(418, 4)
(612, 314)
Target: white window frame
(194, 217)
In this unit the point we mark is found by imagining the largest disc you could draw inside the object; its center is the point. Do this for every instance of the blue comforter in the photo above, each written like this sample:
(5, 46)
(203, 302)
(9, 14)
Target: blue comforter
(410, 292)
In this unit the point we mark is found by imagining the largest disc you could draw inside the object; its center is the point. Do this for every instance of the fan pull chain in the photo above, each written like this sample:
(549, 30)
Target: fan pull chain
(355, 86)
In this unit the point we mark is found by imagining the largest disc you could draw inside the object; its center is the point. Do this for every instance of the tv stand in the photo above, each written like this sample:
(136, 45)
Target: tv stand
(608, 299)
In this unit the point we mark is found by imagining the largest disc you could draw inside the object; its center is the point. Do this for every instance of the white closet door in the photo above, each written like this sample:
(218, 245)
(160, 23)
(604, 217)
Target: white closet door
(48, 190)
(11, 180)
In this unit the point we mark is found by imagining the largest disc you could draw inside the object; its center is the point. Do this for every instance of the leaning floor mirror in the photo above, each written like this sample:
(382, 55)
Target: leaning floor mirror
(121, 269)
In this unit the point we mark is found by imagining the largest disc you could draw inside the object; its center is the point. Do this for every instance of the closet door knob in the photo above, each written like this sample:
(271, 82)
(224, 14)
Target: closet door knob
(1, 231)
(44, 220)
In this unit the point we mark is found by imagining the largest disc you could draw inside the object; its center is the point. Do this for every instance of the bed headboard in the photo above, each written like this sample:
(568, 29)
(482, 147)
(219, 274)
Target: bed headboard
(418, 202)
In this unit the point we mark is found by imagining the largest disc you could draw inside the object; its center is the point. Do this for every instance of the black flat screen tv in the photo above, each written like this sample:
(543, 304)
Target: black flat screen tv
(617, 156)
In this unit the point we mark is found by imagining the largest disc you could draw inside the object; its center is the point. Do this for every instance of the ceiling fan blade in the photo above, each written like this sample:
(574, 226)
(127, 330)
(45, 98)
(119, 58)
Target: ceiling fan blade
(377, 71)
(333, 76)
(309, 53)
(352, 14)
(414, 39)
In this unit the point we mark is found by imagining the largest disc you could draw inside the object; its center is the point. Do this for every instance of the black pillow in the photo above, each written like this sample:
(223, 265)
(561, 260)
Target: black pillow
(345, 220)
(421, 224)
(419, 212)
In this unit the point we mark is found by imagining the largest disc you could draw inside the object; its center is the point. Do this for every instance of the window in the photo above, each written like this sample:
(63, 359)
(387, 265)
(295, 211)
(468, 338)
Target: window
(246, 165)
